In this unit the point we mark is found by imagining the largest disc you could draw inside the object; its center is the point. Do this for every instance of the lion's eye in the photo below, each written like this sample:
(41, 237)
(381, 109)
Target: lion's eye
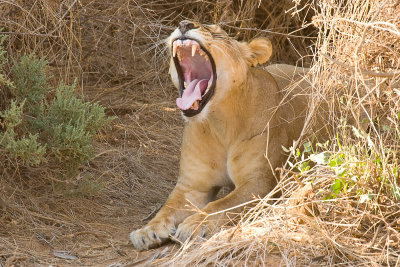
(215, 29)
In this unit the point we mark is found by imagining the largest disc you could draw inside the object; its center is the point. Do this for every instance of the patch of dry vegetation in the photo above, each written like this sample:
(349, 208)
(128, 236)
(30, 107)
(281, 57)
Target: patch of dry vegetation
(116, 51)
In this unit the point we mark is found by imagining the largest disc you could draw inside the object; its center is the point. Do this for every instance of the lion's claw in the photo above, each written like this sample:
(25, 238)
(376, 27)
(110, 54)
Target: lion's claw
(193, 227)
(151, 236)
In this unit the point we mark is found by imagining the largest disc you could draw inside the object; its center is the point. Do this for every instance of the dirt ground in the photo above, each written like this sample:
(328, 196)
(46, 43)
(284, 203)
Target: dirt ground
(87, 221)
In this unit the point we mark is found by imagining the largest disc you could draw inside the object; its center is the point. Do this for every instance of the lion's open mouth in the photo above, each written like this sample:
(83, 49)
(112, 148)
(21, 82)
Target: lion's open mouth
(196, 71)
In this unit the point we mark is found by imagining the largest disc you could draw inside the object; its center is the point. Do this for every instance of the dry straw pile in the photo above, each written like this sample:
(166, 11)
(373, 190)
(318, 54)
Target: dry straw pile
(346, 212)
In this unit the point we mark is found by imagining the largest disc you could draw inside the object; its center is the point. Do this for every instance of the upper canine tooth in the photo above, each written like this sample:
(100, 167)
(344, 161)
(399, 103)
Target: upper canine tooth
(194, 48)
(174, 47)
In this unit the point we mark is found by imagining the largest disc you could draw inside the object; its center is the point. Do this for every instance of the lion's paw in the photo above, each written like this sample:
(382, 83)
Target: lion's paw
(152, 235)
(192, 227)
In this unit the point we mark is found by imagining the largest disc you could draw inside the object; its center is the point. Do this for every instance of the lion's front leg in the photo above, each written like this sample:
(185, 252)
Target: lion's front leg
(252, 175)
(182, 202)
(202, 170)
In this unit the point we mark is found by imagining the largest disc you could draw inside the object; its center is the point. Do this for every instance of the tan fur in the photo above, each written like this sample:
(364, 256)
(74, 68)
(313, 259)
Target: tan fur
(235, 141)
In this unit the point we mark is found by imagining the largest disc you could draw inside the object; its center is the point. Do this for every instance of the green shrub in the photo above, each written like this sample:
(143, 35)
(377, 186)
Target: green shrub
(28, 149)
(356, 168)
(39, 126)
(31, 84)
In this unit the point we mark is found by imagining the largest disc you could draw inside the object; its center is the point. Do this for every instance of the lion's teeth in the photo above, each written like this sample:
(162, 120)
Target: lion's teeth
(195, 105)
(194, 48)
(179, 55)
(174, 47)
(185, 84)
(203, 54)
(208, 89)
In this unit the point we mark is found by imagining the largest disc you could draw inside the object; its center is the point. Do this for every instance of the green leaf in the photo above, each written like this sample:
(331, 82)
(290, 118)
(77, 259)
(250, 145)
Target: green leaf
(396, 191)
(366, 198)
(329, 197)
(304, 166)
(337, 186)
(321, 158)
(340, 171)
(337, 161)
(307, 147)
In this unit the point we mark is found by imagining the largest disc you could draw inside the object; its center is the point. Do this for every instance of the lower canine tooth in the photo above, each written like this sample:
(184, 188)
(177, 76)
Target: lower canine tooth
(195, 105)
(174, 46)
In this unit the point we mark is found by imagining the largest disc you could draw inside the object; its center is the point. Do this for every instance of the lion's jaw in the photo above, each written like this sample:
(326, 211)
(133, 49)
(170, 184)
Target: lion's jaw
(205, 63)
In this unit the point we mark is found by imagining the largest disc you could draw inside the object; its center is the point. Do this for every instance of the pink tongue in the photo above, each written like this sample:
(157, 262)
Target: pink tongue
(192, 93)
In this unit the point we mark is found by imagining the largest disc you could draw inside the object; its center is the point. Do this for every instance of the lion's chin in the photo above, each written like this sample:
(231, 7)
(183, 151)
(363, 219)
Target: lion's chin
(196, 72)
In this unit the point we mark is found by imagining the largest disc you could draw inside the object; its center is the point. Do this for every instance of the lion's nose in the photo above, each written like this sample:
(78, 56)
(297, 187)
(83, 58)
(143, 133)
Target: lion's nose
(186, 25)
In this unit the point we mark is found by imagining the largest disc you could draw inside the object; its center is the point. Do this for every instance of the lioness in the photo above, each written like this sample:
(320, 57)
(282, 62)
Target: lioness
(235, 126)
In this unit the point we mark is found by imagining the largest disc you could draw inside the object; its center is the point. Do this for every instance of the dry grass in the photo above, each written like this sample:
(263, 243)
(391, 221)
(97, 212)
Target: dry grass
(116, 51)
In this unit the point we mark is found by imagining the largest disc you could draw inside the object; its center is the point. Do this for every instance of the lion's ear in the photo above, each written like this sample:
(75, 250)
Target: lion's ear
(258, 51)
